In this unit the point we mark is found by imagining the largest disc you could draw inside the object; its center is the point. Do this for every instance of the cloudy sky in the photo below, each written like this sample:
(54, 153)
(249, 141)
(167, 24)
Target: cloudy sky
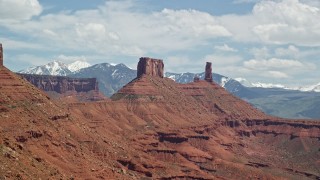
(270, 41)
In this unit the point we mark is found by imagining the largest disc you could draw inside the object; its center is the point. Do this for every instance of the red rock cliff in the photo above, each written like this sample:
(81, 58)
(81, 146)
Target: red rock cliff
(208, 73)
(61, 84)
(149, 66)
(1, 55)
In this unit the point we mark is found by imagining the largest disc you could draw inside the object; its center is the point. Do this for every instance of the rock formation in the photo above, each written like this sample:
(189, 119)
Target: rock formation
(208, 72)
(232, 128)
(153, 129)
(149, 66)
(196, 79)
(1, 55)
(61, 84)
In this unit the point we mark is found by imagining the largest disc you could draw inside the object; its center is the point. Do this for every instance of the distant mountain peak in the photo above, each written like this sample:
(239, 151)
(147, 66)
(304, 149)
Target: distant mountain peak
(244, 82)
(56, 68)
(77, 65)
(121, 65)
(315, 88)
(269, 85)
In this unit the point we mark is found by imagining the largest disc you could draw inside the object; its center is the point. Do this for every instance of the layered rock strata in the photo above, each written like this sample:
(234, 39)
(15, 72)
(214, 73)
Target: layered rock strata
(61, 84)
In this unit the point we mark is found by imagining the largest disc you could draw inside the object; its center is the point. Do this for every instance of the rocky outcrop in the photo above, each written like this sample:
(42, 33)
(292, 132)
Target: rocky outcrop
(196, 79)
(61, 84)
(291, 128)
(1, 55)
(149, 66)
(208, 72)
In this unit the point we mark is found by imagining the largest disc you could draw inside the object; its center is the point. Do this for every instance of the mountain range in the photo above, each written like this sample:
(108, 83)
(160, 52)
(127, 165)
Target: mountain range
(274, 99)
(245, 82)
(57, 68)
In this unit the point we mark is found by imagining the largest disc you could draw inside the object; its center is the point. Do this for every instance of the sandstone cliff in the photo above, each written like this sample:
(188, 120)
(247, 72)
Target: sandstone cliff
(62, 84)
(60, 87)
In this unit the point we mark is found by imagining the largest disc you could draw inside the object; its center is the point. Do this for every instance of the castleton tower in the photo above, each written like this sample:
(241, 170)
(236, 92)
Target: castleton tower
(208, 72)
(1, 55)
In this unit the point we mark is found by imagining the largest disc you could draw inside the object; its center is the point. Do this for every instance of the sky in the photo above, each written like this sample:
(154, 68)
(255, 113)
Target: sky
(268, 41)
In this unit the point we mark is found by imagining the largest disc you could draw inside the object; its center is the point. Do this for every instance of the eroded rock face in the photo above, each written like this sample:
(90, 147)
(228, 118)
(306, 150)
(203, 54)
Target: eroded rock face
(62, 84)
(149, 66)
(1, 55)
(208, 72)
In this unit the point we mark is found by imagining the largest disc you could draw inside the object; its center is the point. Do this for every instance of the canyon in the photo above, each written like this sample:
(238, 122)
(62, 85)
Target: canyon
(152, 128)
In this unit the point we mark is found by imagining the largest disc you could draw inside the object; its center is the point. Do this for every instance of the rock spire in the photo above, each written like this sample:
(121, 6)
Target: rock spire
(208, 72)
(1, 55)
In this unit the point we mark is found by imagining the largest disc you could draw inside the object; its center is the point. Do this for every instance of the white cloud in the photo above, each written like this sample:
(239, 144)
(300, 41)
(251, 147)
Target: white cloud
(70, 59)
(287, 21)
(273, 63)
(277, 22)
(91, 31)
(20, 45)
(117, 29)
(220, 63)
(222, 60)
(48, 32)
(240, 26)
(291, 51)
(190, 22)
(19, 9)
(179, 63)
(27, 58)
(315, 3)
(225, 64)
(275, 70)
(276, 74)
(260, 53)
(226, 48)
(255, 71)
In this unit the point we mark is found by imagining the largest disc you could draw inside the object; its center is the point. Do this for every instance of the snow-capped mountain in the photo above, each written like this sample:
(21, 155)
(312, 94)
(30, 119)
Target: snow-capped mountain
(110, 77)
(183, 77)
(246, 83)
(315, 88)
(268, 85)
(188, 77)
(56, 68)
(76, 66)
